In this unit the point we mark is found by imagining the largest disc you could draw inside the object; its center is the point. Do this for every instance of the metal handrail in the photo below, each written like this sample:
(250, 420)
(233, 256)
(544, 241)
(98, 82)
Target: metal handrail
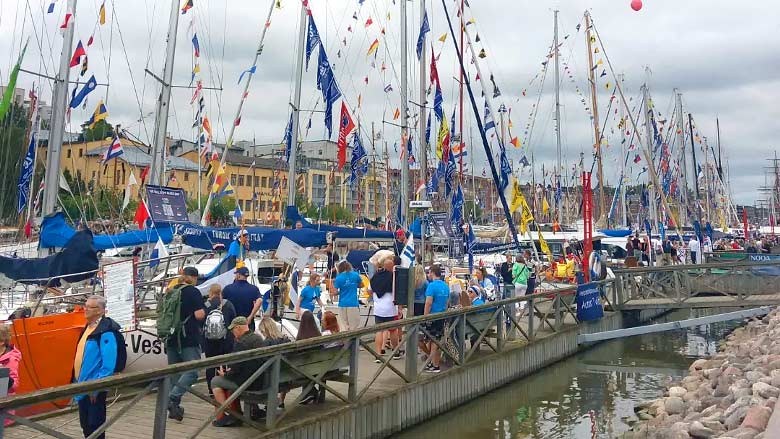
(735, 264)
(141, 377)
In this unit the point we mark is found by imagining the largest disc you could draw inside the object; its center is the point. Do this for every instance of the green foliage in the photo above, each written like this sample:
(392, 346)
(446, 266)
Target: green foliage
(221, 210)
(13, 146)
(473, 211)
(103, 203)
(101, 130)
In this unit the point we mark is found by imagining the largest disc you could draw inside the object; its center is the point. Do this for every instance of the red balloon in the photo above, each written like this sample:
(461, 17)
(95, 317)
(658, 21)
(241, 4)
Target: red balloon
(636, 4)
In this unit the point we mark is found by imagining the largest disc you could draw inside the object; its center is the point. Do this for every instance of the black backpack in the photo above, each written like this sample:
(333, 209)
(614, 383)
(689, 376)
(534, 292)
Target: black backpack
(121, 351)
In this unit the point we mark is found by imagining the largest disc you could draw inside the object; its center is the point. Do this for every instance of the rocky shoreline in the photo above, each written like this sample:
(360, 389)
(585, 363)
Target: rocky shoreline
(730, 395)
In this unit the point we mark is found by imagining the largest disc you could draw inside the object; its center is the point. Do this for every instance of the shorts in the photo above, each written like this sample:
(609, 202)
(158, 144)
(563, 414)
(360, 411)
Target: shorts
(435, 328)
(379, 319)
(419, 309)
(220, 382)
(349, 318)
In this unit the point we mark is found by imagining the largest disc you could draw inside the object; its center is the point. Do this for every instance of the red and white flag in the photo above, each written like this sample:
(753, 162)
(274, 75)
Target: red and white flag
(345, 127)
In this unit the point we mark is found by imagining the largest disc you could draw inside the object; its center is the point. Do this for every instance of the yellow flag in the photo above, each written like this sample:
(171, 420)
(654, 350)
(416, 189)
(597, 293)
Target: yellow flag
(443, 37)
(102, 13)
(545, 206)
(442, 138)
(723, 224)
(543, 245)
(516, 200)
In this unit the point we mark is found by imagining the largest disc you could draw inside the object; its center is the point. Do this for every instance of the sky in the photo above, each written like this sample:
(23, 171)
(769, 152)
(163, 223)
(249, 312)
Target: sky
(721, 55)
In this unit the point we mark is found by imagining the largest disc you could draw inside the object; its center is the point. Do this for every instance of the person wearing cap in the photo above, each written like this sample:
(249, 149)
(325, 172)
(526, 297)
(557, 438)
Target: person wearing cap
(245, 297)
(240, 246)
(187, 347)
(228, 379)
(400, 242)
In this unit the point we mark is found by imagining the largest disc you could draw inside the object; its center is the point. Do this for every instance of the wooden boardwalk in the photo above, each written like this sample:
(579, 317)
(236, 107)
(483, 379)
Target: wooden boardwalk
(139, 420)
(711, 301)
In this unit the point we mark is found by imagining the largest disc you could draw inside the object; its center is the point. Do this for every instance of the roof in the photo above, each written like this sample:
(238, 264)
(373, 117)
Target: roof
(236, 158)
(136, 157)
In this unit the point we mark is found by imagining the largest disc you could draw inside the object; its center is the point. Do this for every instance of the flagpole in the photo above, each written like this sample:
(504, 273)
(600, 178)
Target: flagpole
(37, 133)
(404, 120)
(601, 217)
(558, 164)
(59, 113)
(244, 94)
(296, 106)
(422, 119)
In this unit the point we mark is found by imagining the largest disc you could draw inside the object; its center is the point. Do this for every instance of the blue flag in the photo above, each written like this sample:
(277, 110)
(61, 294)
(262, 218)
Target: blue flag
(359, 162)
(28, 167)
(449, 173)
(424, 29)
(326, 82)
(288, 139)
(428, 130)
(79, 97)
(457, 208)
(438, 100)
(252, 70)
(312, 40)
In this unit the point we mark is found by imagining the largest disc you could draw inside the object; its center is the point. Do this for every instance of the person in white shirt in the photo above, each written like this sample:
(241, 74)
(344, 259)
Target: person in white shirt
(695, 248)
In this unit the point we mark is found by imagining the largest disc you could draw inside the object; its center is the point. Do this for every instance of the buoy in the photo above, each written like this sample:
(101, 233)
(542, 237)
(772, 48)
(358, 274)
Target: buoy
(636, 4)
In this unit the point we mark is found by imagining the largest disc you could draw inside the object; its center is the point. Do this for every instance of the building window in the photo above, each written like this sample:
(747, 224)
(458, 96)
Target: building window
(264, 181)
(186, 176)
(320, 152)
(81, 152)
(233, 179)
(67, 153)
(261, 206)
(249, 180)
(240, 204)
(257, 181)
(240, 180)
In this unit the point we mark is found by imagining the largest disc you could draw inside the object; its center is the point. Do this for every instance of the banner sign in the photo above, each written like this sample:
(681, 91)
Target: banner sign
(119, 291)
(439, 224)
(293, 253)
(167, 204)
(588, 302)
(260, 238)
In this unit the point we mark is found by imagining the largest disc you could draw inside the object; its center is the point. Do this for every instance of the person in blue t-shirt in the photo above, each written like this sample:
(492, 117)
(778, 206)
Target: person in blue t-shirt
(347, 282)
(309, 294)
(436, 296)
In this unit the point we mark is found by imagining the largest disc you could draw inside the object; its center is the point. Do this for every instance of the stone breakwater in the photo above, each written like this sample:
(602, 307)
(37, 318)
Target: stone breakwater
(730, 395)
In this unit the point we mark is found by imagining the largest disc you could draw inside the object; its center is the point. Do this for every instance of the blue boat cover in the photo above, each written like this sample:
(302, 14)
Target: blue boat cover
(260, 238)
(616, 233)
(55, 233)
(341, 232)
(78, 256)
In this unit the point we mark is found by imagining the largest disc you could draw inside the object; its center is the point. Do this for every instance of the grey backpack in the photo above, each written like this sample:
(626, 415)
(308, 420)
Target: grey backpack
(214, 327)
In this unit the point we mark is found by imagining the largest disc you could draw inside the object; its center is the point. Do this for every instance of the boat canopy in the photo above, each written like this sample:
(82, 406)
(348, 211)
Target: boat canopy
(78, 258)
(616, 233)
(55, 233)
(260, 238)
(341, 232)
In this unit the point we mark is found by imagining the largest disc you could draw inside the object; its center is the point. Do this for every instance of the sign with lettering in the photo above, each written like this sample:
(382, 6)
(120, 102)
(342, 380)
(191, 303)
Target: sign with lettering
(119, 291)
(588, 302)
(166, 204)
(293, 253)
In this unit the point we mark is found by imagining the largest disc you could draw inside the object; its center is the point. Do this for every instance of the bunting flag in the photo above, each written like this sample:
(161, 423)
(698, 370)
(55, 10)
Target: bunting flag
(359, 162)
(288, 139)
(221, 186)
(102, 13)
(77, 54)
(312, 40)
(188, 4)
(443, 37)
(84, 66)
(369, 22)
(101, 113)
(114, 150)
(51, 7)
(79, 97)
(424, 29)
(396, 113)
(141, 215)
(346, 127)
(428, 130)
(237, 214)
(196, 95)
(543, 245)
(515, 142)
(26, 175)
(326, 83)
(250, 70)
(8, 94)
(207, 126)
(443, 141)
(131, 181)
(388, 88)
(372, 49)
(66, 22)
(545, 206)
(195, 71)
(196, 46)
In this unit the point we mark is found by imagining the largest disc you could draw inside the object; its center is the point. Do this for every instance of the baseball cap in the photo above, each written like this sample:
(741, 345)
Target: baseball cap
(238, 321)
(190, 271)
(400, 234)
(242, 271)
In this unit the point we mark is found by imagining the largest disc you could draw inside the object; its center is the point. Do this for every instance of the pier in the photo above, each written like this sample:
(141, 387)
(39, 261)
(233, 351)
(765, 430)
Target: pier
(360, 398)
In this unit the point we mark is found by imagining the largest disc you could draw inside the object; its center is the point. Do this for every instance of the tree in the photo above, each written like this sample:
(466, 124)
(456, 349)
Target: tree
(101, 130)
(473, 211)
(13, 146)
(221, 209)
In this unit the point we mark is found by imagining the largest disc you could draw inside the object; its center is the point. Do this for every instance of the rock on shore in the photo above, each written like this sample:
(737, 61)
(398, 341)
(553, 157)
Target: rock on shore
(730, 395)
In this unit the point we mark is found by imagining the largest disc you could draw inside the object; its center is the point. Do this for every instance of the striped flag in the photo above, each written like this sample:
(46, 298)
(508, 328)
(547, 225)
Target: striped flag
(407, 255)
(113, 151)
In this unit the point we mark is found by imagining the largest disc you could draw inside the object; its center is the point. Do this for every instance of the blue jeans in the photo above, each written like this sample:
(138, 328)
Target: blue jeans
(182, 382)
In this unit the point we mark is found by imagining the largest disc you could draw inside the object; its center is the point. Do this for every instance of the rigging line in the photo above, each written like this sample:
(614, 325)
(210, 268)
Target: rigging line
(130, 68)
(45, 32)
(110, 57)
(212, 70)
(528, 141)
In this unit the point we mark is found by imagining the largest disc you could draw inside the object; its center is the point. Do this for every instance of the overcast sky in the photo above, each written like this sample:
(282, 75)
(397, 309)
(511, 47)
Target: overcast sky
(722, 55)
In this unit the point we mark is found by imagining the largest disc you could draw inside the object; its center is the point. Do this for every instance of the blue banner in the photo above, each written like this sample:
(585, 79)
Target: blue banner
(260, 238)
(588, 303)
(167, 204)
(28, 167)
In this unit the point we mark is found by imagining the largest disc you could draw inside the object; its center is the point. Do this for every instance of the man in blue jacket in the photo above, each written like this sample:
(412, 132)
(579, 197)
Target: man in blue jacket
(96, 357)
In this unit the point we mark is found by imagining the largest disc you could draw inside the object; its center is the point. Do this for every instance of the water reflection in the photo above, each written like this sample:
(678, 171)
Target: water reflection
(589, 395)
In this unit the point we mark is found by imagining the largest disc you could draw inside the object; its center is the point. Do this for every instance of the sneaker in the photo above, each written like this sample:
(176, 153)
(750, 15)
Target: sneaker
(428, 367)
(175, 411)
(398, 355)
(280, 406)
(308, 399)
(377, 361)
(434, 369)
(226, 421)
(256, 413)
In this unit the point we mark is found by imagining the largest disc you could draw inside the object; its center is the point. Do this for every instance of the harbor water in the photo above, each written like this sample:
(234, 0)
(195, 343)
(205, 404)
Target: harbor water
(589, 395)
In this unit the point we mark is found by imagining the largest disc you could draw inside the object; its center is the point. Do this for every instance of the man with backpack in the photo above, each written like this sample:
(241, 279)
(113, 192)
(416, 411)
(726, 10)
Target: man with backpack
(179, 323)
(100, 353)
(217, 340)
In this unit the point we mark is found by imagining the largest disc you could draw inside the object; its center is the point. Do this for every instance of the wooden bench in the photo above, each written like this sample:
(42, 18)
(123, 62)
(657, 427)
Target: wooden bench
(477, 323)
(317, 362)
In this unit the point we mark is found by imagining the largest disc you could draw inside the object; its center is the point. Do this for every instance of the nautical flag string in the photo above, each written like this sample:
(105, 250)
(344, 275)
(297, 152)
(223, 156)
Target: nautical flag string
(114, 150)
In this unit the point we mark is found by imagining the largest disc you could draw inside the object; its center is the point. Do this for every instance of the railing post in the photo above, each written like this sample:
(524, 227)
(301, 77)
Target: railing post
(500, 329)
(557, 305)
(161, 408)
(461, 334)
(4, 378)
(354, 350)
(412, 334)
(273, 392)
(531, 315)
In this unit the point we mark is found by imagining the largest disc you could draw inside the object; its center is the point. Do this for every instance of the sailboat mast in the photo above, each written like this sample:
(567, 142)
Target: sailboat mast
(683, 162)
(59, 104)
(423, 117)
(460, 84)
(623, 179)
(558, 164)
(650, 165)
(720, 158)
(157, 167)
(693, 155)
(602, 210)
(404, 118)
(244, 94)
